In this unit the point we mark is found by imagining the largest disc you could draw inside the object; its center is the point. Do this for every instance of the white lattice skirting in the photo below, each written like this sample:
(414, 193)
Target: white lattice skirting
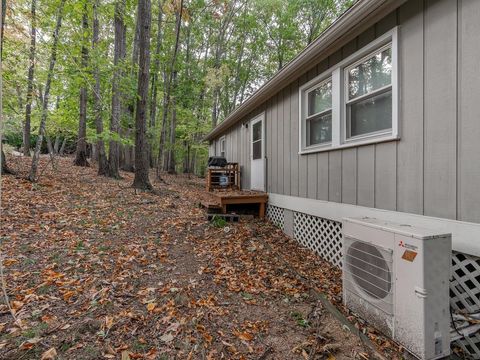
(324, 237)
(465, 295)
(320, 235)
(276, 215)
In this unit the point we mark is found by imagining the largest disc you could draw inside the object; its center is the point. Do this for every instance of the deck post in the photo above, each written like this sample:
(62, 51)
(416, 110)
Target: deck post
(261, 212)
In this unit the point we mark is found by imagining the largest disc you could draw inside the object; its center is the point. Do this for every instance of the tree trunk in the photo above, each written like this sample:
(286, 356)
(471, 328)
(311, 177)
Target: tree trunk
(142, 166)
(193, 157)
(219, 51)
(163, 133)
(56, 144)
(93, 152)
(31, 70)
(127, 154)
(61, 152)
(186, 159)
(3, 159)
(168, 82)
(41, 131)
(129, 103)
(173, 128)
(154, 85)
(100, 146)
(81, 153)
(119, 56)
(51, 151)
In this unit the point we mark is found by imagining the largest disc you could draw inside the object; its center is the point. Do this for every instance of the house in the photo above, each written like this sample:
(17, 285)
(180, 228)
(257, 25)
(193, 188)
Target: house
(377, 117)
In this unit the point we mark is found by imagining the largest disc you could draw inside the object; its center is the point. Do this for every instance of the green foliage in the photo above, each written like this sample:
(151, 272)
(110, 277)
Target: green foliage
(301, 321)
(227, 50)
(218, 221)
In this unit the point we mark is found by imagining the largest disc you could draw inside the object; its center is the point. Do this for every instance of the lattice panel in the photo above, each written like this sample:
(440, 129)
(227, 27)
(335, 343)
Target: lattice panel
(276, 215)
(465, 295)
(320, 235)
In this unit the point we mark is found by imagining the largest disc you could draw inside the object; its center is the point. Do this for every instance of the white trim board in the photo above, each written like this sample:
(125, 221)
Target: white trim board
(465, 235)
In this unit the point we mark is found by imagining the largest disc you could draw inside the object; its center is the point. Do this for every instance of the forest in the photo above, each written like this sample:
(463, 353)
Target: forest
(132, 85)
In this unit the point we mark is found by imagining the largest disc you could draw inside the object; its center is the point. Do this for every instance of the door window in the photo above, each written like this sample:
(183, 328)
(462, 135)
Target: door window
(257, 140)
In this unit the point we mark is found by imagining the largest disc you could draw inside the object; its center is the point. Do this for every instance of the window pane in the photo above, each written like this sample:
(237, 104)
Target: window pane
(372, 74)
(320, 99)
(319, 129)
(257, 131)
(257, 150)
(370, 115)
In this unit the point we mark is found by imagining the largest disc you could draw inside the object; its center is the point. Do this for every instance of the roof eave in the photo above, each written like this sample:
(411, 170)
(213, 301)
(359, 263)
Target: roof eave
(358, 18)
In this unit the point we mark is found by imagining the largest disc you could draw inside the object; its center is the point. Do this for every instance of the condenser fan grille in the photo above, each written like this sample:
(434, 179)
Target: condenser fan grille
(369, 269)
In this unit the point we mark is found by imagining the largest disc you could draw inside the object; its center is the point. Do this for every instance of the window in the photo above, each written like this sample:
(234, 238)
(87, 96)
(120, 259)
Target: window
(257, 140)
(354, 102)
(319, 114)
(222, 147)
(369, 94)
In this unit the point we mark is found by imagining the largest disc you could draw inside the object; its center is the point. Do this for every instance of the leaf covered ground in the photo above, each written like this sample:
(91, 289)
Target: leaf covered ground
(95, 270)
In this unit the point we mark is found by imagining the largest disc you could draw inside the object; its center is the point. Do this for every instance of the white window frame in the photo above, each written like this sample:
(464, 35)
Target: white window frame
(307, 117)
(223, 146)
(339, 99)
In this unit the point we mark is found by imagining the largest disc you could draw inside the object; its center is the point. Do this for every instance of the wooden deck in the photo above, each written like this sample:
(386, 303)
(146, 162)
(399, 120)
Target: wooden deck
(219, 200)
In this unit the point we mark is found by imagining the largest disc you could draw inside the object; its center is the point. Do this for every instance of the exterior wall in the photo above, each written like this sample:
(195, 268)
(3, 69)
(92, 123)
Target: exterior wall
(428, 178)
(435, 167)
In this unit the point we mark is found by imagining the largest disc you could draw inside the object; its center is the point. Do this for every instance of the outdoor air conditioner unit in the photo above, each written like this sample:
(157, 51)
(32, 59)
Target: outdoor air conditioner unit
(396, 277)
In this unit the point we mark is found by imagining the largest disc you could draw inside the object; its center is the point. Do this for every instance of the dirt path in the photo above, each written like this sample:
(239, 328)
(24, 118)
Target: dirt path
(96, 271)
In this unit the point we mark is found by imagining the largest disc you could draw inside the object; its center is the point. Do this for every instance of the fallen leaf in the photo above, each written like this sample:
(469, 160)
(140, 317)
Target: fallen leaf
(244, 335)
(50, 354)
(8, 262)
(108, 322)
(30, 343)
(68, 295)
(167, 337)
(17, 305)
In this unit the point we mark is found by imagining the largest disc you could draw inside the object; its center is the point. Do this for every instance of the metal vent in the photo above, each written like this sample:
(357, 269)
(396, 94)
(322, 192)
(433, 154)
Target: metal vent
(369, 269)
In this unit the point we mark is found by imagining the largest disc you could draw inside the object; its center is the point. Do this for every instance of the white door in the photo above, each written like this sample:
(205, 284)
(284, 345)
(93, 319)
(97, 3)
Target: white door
(257, 154)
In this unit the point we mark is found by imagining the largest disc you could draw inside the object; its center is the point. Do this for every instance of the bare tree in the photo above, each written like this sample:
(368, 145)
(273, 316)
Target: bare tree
(154, 76)
(81, 152)
(168, 83)
(173, 129)
(219, 53)
(102, 157)
(142, 165)
(127, 156)
(119, 56)
(3, 160)
(31, 70)
(46, 95)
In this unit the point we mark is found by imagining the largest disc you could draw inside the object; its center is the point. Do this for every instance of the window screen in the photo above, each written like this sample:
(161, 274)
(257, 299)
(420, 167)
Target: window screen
(319, 114)
(369, 98)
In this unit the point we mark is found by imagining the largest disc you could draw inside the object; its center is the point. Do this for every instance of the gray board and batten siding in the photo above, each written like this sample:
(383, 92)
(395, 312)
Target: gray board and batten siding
(434, 169)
